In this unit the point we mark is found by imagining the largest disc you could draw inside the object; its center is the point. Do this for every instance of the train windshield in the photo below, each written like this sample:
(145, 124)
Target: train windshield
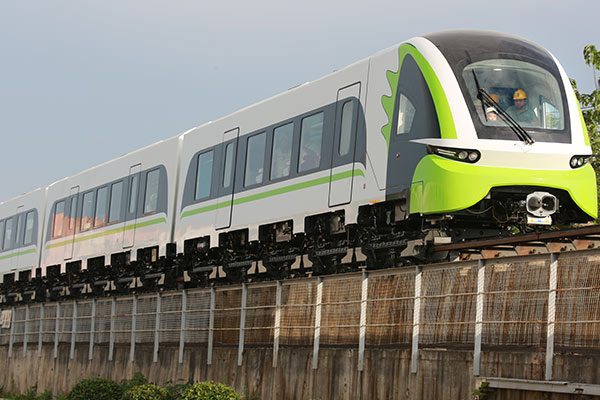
(527, 93)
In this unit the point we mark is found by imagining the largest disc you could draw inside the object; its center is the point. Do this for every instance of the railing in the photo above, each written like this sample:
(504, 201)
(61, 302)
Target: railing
(545, 302)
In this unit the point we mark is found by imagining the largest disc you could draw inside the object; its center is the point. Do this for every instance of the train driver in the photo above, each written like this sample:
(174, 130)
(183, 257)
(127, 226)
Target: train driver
(520, 110)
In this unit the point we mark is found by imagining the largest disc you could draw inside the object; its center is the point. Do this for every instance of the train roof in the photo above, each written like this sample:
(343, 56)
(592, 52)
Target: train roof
(462, 47)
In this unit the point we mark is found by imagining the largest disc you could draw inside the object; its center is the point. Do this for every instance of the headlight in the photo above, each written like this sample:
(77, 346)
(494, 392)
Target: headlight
(578, 161)
(465, 155)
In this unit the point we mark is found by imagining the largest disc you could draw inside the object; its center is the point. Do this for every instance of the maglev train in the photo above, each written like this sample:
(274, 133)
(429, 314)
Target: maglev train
(449, 135)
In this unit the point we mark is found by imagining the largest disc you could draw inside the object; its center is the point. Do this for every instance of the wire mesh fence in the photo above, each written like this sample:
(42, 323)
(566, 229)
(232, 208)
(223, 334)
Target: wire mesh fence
(537, 301)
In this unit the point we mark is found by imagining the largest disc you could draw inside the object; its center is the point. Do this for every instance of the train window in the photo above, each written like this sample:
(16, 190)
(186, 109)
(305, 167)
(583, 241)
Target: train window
(281, 156)
(311, 135)
(73, 214)
(101, 203)
(228, 168)
(1, 234)
(255, 159)
(526, 92)
(133, 188)
(204, 175)
(406, 115)
(346, 128)
(8, 233)
(29, 228)
(151, 198)
(116, 191)
(19, 235)
(59, 218)
(88, 208)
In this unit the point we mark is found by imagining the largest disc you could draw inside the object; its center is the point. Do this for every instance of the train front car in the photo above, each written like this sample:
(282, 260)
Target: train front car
(512, 148)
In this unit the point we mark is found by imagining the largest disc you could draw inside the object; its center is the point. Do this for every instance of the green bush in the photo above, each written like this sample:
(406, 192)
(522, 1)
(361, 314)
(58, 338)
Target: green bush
(31, 394)
(210, 391)
(176, 389)
(138, 379)
(147, 391)
(95, 389)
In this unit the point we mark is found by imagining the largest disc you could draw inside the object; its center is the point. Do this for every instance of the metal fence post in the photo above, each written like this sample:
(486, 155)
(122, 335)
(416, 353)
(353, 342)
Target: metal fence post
(25, 330)
(211, 326)
(111, 335)
(551, 314)
(363, 320)
(56, 328)
(479, 317)
(133, 329)
(41, 330)
(242, 324)
(317, 323)
(416, 321)
(156, 328)
(11, 338)
(92, 329)
(73, 331)
(277, 324)
(182, 325)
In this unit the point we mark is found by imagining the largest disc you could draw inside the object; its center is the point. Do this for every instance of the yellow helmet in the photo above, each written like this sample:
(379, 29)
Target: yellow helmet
(495, 98)
(520, 95)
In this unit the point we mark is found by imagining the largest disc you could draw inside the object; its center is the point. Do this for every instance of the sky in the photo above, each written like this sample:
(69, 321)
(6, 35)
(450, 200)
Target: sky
(83, 82)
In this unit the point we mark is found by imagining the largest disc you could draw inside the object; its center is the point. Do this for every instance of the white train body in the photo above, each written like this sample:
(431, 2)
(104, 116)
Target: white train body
(21, 226)
(338, 183)
(112, 208)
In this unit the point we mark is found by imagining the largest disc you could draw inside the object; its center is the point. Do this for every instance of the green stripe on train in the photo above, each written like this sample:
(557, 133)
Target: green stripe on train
(20, 253)
(108, 232)
(274, 192)
(442, 106)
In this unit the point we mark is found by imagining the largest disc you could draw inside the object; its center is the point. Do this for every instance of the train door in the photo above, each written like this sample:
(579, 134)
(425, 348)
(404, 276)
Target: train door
(131, 209)
(18, 239)
(227, 179)
(344, 143)
(70, 222)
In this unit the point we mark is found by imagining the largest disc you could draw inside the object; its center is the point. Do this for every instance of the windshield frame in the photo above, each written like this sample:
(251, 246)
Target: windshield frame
(463, 48)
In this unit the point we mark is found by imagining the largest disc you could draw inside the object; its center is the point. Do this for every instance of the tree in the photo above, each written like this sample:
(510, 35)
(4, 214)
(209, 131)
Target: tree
(590, 106)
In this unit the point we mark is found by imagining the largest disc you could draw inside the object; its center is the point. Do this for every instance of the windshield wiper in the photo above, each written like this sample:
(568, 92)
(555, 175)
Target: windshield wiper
(516, 127)
(486, 99)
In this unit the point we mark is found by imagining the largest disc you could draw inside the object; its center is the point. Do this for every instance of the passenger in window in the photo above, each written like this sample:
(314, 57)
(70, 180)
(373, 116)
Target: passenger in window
(520, 110)
(491, 114)
(310, 159)
(281, 157)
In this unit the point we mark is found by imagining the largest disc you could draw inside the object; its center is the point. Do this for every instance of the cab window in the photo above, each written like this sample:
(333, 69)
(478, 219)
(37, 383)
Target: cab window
(526, 92)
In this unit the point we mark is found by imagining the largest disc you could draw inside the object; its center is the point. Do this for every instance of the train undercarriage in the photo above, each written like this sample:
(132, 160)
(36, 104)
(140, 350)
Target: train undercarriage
(382, 238)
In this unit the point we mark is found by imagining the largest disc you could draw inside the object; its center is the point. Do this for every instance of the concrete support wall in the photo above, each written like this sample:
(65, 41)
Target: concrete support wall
(430, 331)
(442, 374)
